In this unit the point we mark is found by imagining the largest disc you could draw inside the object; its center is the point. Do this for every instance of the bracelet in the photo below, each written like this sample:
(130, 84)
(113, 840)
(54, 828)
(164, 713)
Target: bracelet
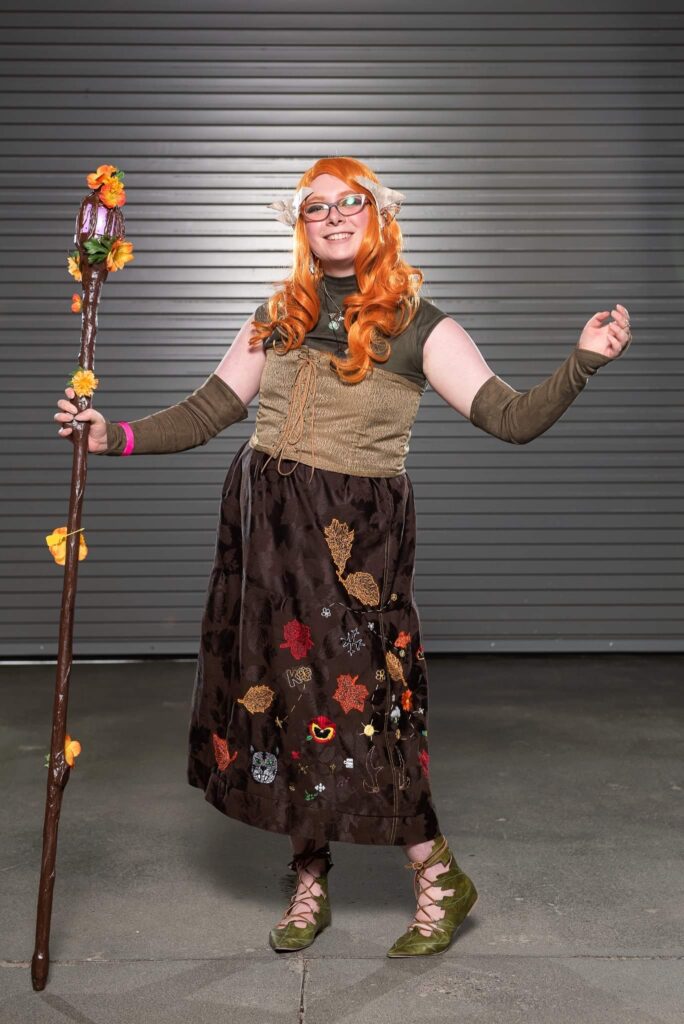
(130, 440)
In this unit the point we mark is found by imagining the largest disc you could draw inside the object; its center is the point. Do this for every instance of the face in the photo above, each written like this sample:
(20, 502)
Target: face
(336, 256)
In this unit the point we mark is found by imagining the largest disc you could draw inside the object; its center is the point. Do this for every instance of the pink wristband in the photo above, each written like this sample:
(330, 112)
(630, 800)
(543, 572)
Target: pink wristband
(130, 440)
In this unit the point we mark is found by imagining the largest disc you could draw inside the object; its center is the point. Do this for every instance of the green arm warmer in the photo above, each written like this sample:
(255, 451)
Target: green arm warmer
(192, 422)
(517, 416)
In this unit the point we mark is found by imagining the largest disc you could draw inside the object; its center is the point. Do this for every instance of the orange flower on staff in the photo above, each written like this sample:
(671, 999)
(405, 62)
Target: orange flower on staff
(57, 542)
(76, 303)
(112, 192)
(406, 699)
(103, 172)
(403, 639)
(84, 382)
(120, 253)
(74, 266)
(72, 748)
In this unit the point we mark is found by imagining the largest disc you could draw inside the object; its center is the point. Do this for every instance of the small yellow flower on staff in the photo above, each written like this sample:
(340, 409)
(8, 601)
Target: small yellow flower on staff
(72, 748)
(84, 382)
(74, 265)
(57, 542)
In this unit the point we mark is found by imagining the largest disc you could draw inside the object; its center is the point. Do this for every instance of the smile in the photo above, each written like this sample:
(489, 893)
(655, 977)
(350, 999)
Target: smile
(341, 236)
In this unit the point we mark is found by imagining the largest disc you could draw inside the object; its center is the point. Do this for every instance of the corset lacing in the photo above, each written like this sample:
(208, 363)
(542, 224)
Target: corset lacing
(304, 385)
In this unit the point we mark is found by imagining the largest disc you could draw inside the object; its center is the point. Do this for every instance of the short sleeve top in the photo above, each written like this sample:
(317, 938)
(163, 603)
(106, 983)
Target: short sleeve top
(406, 355)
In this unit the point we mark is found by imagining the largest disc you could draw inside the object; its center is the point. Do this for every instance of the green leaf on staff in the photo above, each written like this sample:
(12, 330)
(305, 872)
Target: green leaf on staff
(47, 761)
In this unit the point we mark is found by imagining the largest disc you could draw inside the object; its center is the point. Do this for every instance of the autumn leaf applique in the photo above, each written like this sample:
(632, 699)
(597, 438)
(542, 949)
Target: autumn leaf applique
(257, 698)
(395, 667)
(298, 638)
(349, 694)
(361, 585)
(222, 752)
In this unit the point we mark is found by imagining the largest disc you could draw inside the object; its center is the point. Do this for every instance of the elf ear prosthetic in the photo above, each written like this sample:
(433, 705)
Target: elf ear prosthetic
(387, 201)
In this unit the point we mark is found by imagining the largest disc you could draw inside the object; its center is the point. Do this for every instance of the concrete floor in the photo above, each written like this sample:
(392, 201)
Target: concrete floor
(557, 778)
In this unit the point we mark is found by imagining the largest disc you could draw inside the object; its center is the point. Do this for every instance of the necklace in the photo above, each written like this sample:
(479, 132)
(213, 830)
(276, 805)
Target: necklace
(334, 322)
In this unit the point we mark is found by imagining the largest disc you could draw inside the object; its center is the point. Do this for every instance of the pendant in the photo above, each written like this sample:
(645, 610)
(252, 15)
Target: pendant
(334, 324)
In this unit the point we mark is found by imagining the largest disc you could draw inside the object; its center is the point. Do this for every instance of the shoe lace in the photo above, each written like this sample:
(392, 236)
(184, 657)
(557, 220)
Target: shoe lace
(299, 863)
(422, 886)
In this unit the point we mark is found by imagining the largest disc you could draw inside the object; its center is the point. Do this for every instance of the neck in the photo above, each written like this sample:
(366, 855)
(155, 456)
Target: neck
(337, 269)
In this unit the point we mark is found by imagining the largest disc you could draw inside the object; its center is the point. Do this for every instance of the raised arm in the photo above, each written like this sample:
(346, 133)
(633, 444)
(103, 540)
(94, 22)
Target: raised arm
(220, 401)
(456, 369)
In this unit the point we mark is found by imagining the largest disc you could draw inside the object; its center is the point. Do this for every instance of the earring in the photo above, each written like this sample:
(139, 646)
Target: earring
(312, 265)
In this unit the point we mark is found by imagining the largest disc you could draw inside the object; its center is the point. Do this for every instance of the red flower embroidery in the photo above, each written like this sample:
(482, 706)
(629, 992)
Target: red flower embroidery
(349, 694)
(406, 699)
(403, 640)
(424, 759)
(322, 729)
(297, 638)
(295, 755)
(222, 752)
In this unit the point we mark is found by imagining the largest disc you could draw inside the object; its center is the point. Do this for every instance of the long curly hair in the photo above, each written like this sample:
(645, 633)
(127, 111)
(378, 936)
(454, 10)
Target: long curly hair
(384, 306)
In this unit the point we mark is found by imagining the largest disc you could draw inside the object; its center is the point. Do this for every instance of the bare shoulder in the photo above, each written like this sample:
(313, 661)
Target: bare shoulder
(448, 334)
(453, 364)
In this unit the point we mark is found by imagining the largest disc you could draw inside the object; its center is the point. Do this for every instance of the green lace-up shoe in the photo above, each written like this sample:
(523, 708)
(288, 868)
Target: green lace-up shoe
(291, 936)
(456, 906)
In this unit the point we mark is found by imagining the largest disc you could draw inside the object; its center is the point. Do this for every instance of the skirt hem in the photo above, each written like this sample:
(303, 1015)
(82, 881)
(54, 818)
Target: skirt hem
(370, 829)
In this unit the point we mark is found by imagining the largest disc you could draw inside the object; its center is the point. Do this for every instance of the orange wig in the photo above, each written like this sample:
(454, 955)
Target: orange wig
(383, 307)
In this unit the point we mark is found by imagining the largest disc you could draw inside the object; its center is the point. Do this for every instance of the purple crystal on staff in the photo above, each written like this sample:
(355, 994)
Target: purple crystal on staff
(94, 220)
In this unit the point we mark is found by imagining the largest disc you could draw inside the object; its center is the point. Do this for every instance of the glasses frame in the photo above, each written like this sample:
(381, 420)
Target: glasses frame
(329, 206)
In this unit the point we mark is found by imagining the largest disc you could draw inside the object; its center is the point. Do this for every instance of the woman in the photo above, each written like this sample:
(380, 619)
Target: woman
(310, 708)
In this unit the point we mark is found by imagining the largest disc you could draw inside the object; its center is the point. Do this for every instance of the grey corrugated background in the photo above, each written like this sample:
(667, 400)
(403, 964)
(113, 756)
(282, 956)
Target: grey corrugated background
(540, 147)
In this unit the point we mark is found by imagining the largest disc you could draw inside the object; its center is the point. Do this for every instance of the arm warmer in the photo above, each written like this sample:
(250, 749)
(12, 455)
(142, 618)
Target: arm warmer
(517, 416)
(192, 422)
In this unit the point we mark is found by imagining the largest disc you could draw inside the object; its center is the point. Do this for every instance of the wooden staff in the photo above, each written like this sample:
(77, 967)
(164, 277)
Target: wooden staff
(94, 221)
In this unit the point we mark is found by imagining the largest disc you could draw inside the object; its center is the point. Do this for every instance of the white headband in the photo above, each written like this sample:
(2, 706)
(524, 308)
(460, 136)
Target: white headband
(385, 198)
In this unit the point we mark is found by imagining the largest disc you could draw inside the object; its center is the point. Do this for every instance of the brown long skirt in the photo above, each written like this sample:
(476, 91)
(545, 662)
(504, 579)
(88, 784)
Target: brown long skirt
(310, 707)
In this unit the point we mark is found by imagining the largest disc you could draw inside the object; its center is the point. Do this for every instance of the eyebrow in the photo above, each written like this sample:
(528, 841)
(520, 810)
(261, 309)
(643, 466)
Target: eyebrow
(349, 192)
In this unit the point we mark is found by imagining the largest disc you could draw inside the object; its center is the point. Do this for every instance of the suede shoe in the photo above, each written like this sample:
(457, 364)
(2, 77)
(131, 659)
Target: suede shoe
(456, 906)
(291, 936)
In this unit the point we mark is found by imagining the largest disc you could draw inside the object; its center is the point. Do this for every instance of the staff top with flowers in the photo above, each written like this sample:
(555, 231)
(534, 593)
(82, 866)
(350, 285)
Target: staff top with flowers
(108, 182)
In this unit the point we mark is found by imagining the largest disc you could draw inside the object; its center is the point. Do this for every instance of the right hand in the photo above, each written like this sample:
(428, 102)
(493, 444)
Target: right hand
(97, 433)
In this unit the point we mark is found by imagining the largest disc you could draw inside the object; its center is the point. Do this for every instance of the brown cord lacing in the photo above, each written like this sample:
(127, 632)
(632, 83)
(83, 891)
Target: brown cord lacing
(304, 384)
(432, 925)
(300, 862)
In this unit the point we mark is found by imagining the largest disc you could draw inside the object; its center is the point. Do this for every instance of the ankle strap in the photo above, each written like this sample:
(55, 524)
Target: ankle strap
(439, 849)
(310, 853)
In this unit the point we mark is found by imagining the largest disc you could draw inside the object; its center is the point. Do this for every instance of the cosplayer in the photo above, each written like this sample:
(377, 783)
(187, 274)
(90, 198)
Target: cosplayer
(310, 707)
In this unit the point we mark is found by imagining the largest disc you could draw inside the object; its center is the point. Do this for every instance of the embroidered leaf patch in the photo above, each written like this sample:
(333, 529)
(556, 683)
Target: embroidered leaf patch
(361, 585)
(395, 667)
(349, 694)
(222, 752)
(339, 538)
(257, 698)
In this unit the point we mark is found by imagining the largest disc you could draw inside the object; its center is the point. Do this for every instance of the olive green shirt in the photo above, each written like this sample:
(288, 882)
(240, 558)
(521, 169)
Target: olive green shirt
(406, 356)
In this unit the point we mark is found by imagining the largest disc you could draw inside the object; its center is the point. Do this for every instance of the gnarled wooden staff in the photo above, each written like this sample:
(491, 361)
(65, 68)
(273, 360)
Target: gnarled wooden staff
(98, 227)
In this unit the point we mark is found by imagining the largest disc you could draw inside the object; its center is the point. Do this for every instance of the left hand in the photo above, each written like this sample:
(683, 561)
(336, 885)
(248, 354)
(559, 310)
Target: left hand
(608, 339)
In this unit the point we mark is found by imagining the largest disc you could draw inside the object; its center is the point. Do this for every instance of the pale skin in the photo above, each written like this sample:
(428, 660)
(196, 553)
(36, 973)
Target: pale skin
(448, 346)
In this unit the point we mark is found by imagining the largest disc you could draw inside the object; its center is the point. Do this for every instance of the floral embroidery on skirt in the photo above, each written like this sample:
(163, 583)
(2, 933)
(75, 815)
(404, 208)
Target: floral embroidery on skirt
(310, 707)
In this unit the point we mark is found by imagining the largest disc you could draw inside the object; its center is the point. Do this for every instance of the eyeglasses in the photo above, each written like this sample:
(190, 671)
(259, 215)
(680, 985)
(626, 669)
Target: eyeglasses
(348, 206)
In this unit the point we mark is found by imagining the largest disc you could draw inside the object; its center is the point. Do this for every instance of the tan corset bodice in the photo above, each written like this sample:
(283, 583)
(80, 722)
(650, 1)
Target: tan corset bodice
(307, 414)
